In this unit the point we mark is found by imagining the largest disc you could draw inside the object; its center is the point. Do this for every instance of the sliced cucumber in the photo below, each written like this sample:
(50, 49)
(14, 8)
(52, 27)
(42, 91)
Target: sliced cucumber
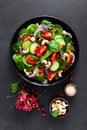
(26, 44)
(25, 62)
(60, 40)
(55, 66)
(32, 47)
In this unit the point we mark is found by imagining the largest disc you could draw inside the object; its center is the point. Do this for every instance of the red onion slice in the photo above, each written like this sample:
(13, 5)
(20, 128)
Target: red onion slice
(20, 50)
(32, 75)
(44, 26)
(38, 30)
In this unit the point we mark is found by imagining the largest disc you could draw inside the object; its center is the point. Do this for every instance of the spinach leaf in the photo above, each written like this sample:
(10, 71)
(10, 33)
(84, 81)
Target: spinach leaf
(18, 60)
(31, 28)
(55, 113)
(54, 46)
(46, 22)
(14, 87)
(15, 46)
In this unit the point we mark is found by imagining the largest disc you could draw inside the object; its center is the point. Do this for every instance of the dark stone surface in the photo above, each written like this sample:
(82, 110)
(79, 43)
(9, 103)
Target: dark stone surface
(12, 15)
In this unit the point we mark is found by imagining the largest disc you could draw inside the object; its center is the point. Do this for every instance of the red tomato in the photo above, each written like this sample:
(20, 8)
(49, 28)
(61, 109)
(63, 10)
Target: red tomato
(40, 50)
(47, 35)
(31, 60)
(51, 75)
(54, 56)
(69, 59)
(26, 38)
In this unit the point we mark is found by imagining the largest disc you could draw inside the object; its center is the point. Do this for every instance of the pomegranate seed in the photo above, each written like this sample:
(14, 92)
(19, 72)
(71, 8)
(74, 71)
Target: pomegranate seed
(56, 31)
(17, 51)
(44, 31)
(44, 114)
(42, 108)
(30, 73)
(62, 95)
(72, 50)
(71, 42)
(33, 66)
(39, 40)
(38, 108)
(71, 78)
(50, 28)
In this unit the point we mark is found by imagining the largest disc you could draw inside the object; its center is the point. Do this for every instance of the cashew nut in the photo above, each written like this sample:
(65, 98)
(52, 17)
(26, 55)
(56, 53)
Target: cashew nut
(64, 32)
(26, 51)
(65, 55)
(26, 72)
(48, 64)
(60, 73)
(44, 61)
(32, 39)
(45, 42)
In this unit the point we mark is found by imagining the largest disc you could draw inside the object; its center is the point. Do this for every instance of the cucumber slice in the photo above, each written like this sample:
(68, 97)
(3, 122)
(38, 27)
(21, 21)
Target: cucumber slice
(60, 40)
(55, 66)
(25, 62)
(32, 47)
(26, 44)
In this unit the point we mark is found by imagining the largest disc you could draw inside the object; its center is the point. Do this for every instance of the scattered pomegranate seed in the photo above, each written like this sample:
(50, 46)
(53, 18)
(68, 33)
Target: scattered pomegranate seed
(72, 50)
(17, 51)
(44, 114)
(63, 46)
(39, 109)
(18, 39)
(50, 28)
(71, 78)
(39, 40)
(44, 31)
(42, 108)
(30, 73)
(62, 95)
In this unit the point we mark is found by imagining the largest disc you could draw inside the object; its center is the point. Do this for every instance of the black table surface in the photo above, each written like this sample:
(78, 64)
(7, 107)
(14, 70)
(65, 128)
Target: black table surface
(12, 15)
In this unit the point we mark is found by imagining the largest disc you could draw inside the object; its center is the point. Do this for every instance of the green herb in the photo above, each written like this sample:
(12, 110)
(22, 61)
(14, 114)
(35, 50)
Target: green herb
(55, 113)
(46, 22)
(54, 46)
(15, 46)
(46, 55)
(31, 28)
(64, 63)
(14, 87)
(18, 60)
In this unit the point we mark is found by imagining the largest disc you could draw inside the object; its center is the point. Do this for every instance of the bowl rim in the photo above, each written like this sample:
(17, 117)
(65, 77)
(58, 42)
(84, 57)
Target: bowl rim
(69, 72)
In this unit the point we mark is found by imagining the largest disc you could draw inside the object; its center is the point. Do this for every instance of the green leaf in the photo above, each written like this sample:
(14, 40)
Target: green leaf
(46, 55)
(14, 87)
(46, 22)
(18, 60)
(15, 46)
(55, 113)
(54, 46)
(31, 28)
(64, 63)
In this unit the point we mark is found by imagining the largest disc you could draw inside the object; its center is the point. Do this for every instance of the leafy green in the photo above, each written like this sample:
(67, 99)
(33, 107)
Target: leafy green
(18, 60)
(46, 55)
(14, 87)
(31, 28)
(15, 46)
(69, 47)
(23, 31)
(58, 27)
(63, 65)
(46, 22)
(40, 78)
(54, 46)
(67, 39)
(55, 113)
(25, 62)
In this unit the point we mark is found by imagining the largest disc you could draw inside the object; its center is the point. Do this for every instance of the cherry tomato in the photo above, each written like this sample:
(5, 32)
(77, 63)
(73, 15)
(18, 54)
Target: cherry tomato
(26, 38)
(51, 75)
(47, 35)
(31, 60)
(54, 56)
(70, 59)
(40, 50)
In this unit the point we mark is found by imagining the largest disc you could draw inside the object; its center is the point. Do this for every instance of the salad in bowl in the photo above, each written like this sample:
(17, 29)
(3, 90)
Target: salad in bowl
(43, 51)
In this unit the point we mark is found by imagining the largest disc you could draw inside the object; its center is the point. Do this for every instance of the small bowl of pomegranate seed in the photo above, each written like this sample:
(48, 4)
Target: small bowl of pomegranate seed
(59, 107)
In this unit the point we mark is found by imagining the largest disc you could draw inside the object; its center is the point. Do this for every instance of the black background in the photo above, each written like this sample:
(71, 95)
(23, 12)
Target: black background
(12, 15)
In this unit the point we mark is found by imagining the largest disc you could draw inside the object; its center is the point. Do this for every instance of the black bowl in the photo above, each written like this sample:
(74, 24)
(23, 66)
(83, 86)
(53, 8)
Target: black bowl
(61, 99)
(65, 27)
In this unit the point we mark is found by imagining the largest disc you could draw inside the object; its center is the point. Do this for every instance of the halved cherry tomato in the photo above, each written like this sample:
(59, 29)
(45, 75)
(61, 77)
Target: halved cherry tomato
(70, 59)
(26, 38)
(40, 50)
(31, 60)
(47, 35)
(54, 56)
(51, 75)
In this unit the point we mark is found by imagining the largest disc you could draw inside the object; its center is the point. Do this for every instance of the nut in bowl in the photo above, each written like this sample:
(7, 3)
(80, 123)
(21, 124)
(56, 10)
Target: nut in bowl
(59, 107)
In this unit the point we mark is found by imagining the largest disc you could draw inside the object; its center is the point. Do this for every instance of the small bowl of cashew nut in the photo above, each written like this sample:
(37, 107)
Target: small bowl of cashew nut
(59, 107)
